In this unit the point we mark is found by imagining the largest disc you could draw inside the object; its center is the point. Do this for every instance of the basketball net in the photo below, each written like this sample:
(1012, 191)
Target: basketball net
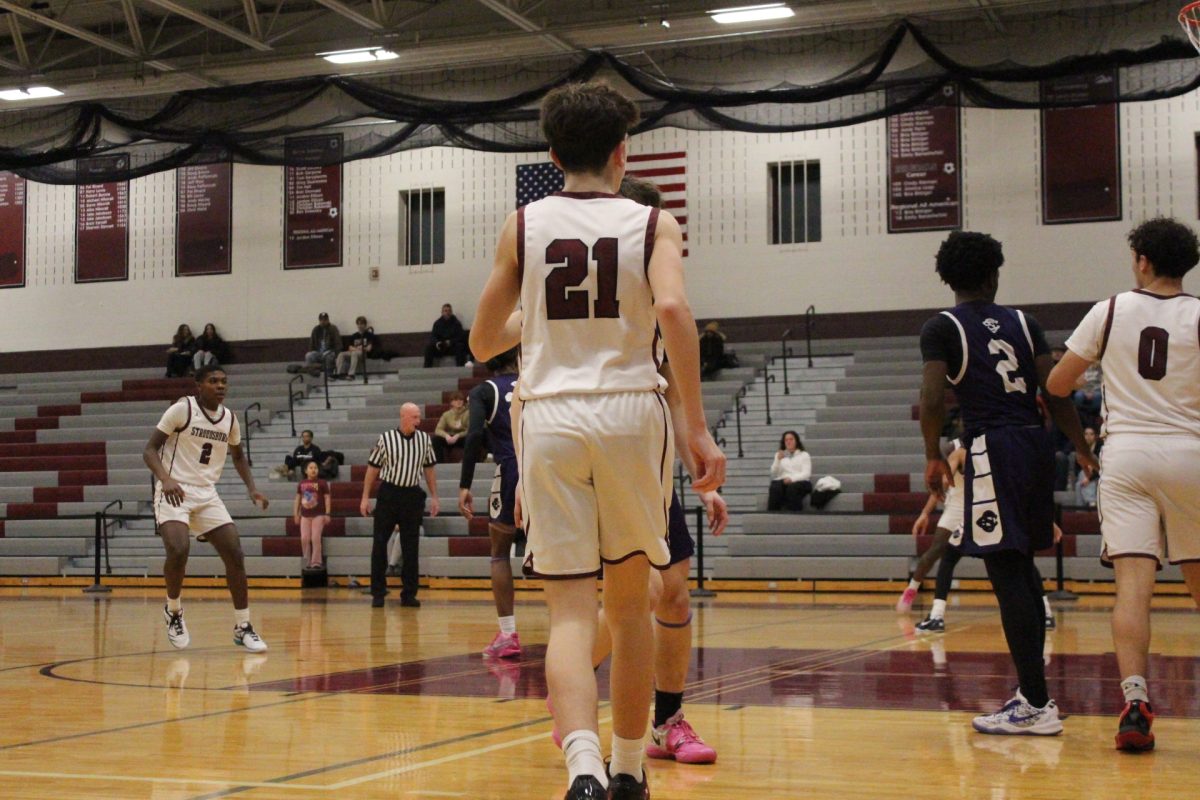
(1189, 19)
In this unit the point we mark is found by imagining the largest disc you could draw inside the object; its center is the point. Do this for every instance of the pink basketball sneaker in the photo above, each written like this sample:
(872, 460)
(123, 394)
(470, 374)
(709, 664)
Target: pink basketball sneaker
(675, 739)
(906, 600)
(503, 646)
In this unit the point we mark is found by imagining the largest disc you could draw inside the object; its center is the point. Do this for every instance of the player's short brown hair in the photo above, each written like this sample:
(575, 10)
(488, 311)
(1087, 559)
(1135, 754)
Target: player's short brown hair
(641, 191)
(584, 123)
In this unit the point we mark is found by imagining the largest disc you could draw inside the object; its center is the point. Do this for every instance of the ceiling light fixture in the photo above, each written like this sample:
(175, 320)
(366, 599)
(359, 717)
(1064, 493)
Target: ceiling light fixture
(358, 55)
(29, 93)
(758, 13)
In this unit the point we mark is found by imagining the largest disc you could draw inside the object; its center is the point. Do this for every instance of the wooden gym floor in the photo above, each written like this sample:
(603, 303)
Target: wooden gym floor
(804, 696)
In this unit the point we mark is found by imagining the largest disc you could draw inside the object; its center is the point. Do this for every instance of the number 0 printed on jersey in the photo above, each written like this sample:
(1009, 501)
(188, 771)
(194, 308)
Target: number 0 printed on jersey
(563, 301)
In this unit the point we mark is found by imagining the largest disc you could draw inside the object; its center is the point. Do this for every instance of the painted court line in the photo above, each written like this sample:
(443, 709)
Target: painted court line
(77, 776)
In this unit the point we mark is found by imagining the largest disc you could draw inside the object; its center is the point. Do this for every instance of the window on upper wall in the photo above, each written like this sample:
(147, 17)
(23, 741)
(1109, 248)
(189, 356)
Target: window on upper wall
(795, 197)
(423, 226)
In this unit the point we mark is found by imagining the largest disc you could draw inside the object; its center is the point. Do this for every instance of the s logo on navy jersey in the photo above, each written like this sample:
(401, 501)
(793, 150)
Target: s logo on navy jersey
(991, 325)
(988, 521)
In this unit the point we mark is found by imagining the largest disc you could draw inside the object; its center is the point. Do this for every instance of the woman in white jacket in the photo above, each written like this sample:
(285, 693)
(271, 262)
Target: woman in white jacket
(791, 475)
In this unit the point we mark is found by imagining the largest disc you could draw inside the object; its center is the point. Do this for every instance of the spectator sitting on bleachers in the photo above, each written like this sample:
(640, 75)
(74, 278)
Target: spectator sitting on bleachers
(324, 344)
(447, 339)
(791, 475)
(451, 427)
(1085, 485)
(295, 464)
(1087, 396)
(358, 346)
(712, 350)
(210, 348)
(311, 512)
(179, 354)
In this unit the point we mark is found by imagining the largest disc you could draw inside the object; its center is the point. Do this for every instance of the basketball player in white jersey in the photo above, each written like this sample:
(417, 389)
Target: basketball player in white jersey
(595, 273)
(186, 453)
(1148, 344)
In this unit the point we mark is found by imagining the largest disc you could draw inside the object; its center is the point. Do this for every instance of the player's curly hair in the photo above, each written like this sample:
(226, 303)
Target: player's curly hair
(967, 260)
(206, 370)
(584, 123)
(1167, 244)
(506, 360)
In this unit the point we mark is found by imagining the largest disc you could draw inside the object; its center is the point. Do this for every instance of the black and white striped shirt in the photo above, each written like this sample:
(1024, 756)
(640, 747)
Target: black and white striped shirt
(400, 459)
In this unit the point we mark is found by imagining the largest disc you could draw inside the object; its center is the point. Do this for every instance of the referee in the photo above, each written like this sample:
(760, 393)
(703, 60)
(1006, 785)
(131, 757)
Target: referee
(398, 459)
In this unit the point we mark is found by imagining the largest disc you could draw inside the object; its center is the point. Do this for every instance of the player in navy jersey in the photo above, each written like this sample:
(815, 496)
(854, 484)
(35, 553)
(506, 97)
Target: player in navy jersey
(490, 405)
(995, 358)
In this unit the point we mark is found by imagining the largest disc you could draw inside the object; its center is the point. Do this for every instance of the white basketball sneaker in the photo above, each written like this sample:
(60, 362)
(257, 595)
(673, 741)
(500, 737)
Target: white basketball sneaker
(177, 632)
(245, 636)
(1019, 718)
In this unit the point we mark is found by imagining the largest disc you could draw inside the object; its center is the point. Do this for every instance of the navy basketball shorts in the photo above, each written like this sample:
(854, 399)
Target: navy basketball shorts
(679, 540)
(503, 499)
(1009, 482)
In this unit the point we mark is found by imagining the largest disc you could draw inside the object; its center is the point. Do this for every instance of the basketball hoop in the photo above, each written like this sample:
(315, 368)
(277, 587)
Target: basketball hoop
(1189, 19)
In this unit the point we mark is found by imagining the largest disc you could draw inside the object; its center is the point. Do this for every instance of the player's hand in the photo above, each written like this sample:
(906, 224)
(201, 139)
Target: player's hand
(1057, 533)
(709, 461)
(259, 499)
(717, 512)
(518, 512)
(364, 507)
(172, 491)
(937, 476)
(297, 519)
(465, 503)
(328, 519)
(787, 481)
(920, 526)
(1088, 461)
(434, 506)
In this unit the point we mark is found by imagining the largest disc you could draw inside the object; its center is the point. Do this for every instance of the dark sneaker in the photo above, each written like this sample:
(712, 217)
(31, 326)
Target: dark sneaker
(932, 625)
(1133, 730)
(586, 787)
(410, 602)
(627, 787)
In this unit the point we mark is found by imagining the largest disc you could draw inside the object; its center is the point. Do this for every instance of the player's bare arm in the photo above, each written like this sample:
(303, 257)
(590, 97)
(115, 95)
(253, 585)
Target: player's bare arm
(496, 327)
(715, 507)
(171, 488)
(921, 525)
(364, 506)
(683, 350)
(243, 470)
(933, 419)
(1063, 412)
(1066, 374)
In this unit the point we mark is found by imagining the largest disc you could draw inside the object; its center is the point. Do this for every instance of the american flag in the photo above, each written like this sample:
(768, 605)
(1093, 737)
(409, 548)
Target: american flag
(535, 181)
(668, 171)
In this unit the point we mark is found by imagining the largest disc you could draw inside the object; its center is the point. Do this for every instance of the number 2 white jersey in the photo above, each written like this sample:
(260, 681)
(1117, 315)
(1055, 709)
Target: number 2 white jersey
(1148, 347)
(194, 453)
(588, 324)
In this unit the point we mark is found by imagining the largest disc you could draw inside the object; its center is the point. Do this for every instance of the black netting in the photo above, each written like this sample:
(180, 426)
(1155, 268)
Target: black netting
(773, 85)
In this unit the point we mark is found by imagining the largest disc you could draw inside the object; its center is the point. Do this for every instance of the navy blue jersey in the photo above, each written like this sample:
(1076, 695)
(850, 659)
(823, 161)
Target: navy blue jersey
(989, 352)
(499, 423)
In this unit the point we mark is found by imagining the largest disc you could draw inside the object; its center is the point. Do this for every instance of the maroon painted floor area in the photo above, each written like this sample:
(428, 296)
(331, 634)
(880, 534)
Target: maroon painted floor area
(895, 679)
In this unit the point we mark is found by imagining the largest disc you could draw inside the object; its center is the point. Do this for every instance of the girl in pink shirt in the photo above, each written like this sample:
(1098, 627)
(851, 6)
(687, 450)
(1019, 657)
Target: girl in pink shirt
(311, 511)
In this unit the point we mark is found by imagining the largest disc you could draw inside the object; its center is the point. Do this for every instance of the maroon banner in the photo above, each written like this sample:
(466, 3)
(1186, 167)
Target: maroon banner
(925, 166)
(312, 235)
(1081, 153)
(101, 222)
(203, 219)
(12, 230)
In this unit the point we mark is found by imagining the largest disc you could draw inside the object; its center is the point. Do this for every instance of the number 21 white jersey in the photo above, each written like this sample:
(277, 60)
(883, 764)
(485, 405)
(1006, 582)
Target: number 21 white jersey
(588, 313)
(194, 453)
(1148, 347)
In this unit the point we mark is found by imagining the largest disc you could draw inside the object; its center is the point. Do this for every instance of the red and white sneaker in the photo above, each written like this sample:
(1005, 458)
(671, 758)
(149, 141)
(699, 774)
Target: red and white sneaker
(904, 604)
(675, 739)
(503, 646)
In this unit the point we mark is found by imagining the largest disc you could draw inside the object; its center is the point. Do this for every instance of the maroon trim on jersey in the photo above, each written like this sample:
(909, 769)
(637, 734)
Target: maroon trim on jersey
(1108, 322)
(627, 556)
(648, 243)
(187, 423)
(211, 421)
(654, 348)
(520, 245)
(1161, 296)
(662, 463)
(588, 195)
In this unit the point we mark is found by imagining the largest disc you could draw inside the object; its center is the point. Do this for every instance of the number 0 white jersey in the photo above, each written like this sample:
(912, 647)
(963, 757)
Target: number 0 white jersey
(1148, 347)
(194, 453)
(589, 325)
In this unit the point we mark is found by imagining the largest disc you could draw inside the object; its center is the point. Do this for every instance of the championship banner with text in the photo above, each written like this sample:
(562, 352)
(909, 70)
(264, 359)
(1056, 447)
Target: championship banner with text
(925, 166)
(312, 235)
(12, 230)
(203, 219)
(101, 222)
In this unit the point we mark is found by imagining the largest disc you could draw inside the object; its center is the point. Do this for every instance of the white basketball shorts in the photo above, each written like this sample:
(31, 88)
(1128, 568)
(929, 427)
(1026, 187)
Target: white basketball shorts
(201, 510)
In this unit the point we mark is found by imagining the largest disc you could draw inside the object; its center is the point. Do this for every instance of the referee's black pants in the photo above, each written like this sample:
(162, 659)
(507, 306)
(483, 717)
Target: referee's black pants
(403, 506)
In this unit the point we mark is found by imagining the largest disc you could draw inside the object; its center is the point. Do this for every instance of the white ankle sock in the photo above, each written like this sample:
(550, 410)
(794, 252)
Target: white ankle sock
(939, 609)
(1049, 608)
(241, 616)
(914, 585)
(508, 625)
(1134, 688)
(627, 756)
(582, 751)
(175, 604)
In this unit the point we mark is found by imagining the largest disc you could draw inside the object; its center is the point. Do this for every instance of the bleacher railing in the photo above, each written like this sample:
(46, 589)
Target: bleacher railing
(784, 353)
(810, 315)
(250, 425)
(293, 396)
